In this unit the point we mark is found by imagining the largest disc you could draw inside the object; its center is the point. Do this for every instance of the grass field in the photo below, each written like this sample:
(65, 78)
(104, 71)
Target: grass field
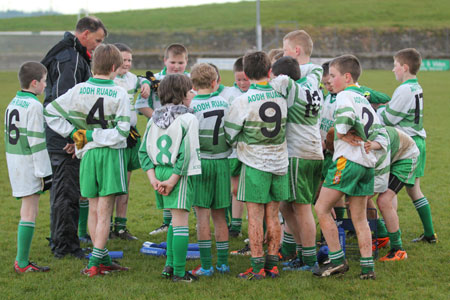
(425, 275)
(367, 14)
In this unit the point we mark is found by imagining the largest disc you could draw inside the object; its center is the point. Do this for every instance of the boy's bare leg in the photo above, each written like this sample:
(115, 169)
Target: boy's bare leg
(221, 234)
(92, 219)
(273, 227)
(255, 228)
(120, 221)
(291, 230)
(327, 200)
(388, 211)
(237, 207)
(104, 208)
(358, 208)
(122, 202)
(30, 207)
(203, 224)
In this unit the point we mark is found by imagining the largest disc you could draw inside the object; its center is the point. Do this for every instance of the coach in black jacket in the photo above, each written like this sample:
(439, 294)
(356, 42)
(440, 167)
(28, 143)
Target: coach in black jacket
(68, 63)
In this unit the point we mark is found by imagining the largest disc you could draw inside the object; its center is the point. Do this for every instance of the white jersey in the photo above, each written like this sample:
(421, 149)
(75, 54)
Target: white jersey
(210, 111)
(327, 114)
(303, 127)
(256, 126)
(353, 111)
(176, 144)
(98, 105)
(131, 83)
(26, 150)
(405, 110)
(313, 74)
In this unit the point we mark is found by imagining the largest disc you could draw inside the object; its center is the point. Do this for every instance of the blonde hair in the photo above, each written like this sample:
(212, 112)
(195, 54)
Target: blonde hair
(275, 54)
(300, 38)
(202, 75)
(105, 57)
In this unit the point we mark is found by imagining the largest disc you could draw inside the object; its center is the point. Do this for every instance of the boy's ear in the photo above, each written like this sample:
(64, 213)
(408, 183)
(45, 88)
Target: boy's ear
(348, 77)
(269, 73)
(298, 50)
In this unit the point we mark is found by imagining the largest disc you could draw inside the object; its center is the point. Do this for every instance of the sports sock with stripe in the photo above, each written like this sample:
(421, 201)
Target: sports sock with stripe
(222, 253)
(169, 250)
(381, 229)
(120, 224)
(83, 218)
(309, 255)
(257, 264)
(25, 234)
(288, 245)
(236, 224)
(167, 216)
(367, 264)
(271, 261)
(179, 248)
(337, 257)
(205, 253)
(424, 210)
(395, 238)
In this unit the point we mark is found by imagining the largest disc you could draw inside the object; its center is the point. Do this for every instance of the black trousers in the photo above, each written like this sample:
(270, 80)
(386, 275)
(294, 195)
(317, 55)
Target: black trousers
(64, 204)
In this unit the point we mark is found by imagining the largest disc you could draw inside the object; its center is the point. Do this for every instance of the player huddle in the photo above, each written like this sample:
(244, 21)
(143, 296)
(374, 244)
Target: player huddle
(271, 141)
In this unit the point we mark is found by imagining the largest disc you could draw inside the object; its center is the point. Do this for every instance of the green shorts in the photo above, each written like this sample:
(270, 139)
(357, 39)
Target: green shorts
(103, 173)
(132, 158)
(404, 170)
(421, 160)
(327, 162)
(350, 178)
(235, 166)
(262, 187)
(182, 194)
(304, 179)
(213, 186)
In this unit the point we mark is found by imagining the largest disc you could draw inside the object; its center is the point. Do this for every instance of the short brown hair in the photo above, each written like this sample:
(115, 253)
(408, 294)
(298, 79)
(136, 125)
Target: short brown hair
(175, 49)
(105, 57)
(287, 66)
(410, 57)
(123, 47)
(217, 70)
(300, 38)
(275, 54)
(90, 23)
(238, 65)
(174, 88)
(256, 65)
(29, 71)
(347, 64)
(202, 74)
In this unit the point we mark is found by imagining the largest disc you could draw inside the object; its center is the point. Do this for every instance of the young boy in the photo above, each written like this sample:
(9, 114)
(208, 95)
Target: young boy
(96, 115)
(212, 196)
(175, 61)
(170, 156)
(352, 172)
(27, 157)
(256, 126)
(405, 112)
(131, 83)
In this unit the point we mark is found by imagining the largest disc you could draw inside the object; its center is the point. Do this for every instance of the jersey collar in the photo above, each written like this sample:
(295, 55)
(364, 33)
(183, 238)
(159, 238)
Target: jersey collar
(101, 81)
(409, 81)
(27, 94)
(206, 96)
(354, 88)
(220, 89)
(264, 86)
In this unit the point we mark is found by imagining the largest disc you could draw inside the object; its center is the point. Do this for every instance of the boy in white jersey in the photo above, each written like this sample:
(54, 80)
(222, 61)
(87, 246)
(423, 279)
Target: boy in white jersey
(175, 61)
(256, 126)
(212, 197)
(131, 83)
(352, 172)
(96, 115)
(27, 157)
(299, 45)
(305, 158)
(405, 112)
(169, 154)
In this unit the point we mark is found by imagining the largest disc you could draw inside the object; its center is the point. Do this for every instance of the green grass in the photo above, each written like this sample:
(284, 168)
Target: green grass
(325, 13)
(423, 276)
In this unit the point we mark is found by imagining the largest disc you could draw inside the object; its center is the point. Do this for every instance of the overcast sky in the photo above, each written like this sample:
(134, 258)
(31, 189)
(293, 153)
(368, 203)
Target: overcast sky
(74, 6)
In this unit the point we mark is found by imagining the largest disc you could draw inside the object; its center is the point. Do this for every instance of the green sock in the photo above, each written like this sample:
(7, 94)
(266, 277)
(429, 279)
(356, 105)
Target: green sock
(337, 257)
(288, 245)
(367, 264)
(205, 253)
(83, 218)
(169, 250)
(236, 224)
(395, 239)
(96, 257)
(106, 259)
(424, 210)
(309, 255)
(299, 249)
(120, 223)
(271, 261)
(167, 217)
(381, 229)
(24, 238)
(180, 245)
(222, 253)
(257, 264)
(340, 212)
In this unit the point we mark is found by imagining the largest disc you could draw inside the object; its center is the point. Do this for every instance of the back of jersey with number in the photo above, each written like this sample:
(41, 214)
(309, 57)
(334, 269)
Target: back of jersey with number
(97, 105)
(405, 110)
(26, 150)
(256, 125)
(176, 146)
(210, 111)
(354, 112)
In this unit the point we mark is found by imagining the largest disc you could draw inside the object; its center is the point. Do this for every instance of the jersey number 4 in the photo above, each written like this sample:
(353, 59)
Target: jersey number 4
(101, 114)
(12, 127)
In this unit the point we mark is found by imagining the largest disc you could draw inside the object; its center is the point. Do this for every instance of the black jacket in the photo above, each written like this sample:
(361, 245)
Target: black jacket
(68, 63)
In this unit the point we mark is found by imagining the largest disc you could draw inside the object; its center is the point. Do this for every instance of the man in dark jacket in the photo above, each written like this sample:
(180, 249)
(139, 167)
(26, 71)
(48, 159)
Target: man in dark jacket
(68, 63)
